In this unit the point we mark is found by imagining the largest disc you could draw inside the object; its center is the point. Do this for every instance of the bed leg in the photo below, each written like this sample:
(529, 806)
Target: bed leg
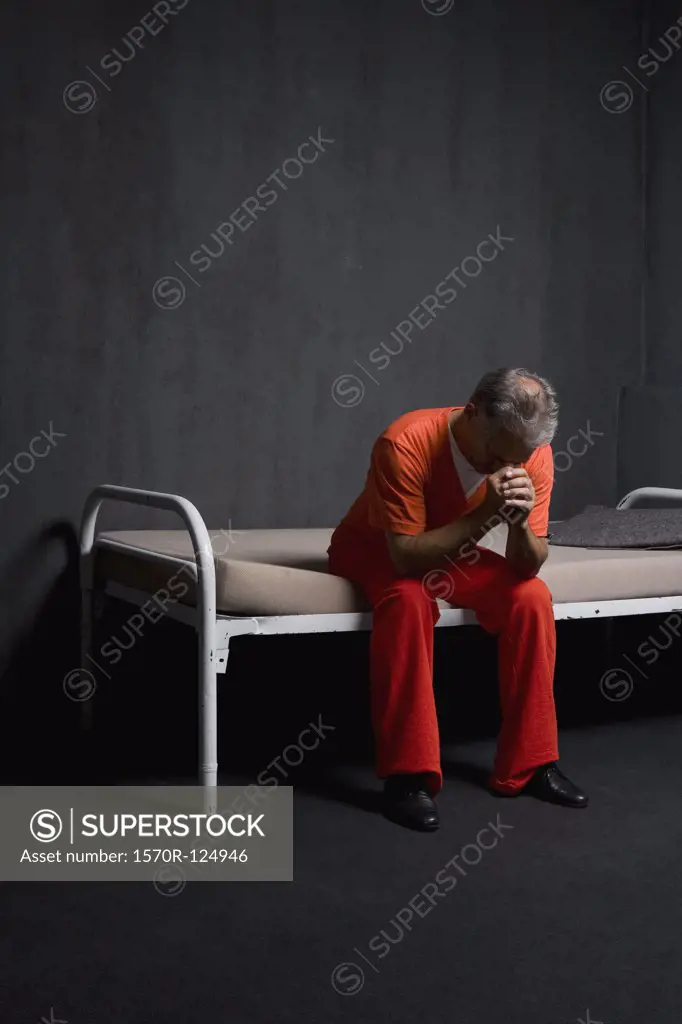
(93, 611)
(86, 711)
(208, 725)
(609, 641)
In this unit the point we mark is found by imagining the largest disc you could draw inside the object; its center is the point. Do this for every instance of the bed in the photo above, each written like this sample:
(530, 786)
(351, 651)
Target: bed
(226, 583)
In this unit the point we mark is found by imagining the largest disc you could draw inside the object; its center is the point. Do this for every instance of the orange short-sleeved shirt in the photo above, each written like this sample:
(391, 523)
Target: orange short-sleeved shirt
(412, 484)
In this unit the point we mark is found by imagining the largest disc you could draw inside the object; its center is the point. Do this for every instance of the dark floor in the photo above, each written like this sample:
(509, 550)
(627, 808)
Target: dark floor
(570, 916)
(570, 913)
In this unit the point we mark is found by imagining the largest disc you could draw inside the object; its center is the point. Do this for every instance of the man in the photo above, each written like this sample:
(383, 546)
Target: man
(439, 480)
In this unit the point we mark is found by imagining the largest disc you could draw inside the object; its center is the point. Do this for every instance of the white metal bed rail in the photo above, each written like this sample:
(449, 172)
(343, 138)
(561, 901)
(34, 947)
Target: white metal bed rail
(640, 494)
(206, 602)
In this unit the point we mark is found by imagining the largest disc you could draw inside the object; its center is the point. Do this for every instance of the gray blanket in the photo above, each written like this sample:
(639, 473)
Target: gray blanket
(600, 527)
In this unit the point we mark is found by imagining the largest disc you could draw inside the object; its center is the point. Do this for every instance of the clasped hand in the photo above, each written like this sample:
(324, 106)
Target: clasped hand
(508, 489)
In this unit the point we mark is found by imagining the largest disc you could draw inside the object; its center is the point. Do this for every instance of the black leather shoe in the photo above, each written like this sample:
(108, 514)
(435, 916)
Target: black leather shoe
(407, 803)
(549, 783)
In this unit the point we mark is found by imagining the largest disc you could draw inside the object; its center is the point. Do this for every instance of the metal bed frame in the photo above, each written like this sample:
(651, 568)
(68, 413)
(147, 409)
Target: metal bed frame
(215, 629)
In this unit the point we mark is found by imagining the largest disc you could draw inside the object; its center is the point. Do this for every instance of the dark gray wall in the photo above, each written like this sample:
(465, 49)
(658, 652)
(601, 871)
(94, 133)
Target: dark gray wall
(664, 294)
(444, 128)
(650, 421)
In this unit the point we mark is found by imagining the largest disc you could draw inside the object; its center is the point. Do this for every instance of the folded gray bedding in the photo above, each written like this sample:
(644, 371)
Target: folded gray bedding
(600, 527)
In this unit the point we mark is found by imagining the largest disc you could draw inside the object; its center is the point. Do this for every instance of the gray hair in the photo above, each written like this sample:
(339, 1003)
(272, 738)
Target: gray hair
(531, 414)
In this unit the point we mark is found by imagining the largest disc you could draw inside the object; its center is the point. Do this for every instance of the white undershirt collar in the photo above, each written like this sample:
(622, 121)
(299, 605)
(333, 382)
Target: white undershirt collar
(469, 478)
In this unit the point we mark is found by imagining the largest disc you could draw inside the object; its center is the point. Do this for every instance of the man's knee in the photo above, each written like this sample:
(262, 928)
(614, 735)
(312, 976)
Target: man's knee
(409, 593)
(531, 593)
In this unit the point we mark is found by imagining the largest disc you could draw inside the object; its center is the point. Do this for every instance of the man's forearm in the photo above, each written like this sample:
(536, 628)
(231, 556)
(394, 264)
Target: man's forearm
(436, 548)
(525, 552)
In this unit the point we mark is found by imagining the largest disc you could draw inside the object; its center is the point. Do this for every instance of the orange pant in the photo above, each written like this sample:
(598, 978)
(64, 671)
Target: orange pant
(401, 658)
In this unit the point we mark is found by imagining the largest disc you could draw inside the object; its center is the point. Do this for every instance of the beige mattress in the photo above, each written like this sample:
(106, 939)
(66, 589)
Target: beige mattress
(284, 572)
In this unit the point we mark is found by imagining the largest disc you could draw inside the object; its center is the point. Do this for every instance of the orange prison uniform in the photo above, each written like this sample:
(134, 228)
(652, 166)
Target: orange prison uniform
(412, 486)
